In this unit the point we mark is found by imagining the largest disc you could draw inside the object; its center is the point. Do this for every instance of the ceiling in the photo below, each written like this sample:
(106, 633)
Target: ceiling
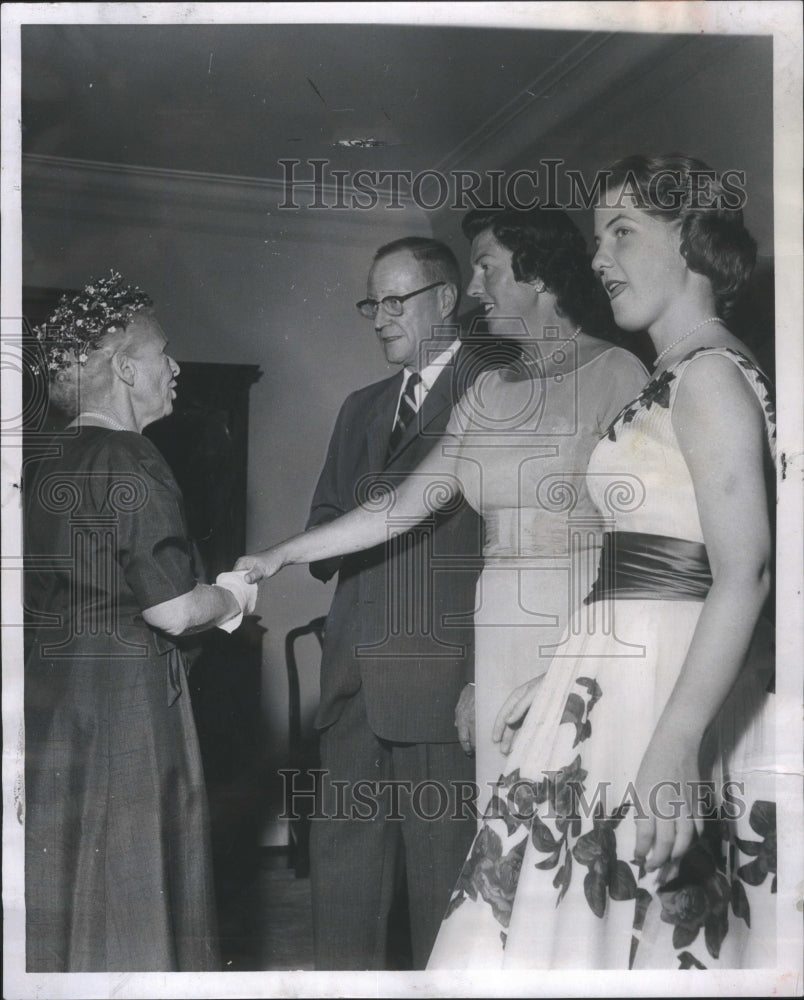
(234, 99)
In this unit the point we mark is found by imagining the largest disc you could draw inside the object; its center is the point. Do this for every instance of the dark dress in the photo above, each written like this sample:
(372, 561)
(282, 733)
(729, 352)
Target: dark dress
(118, 864)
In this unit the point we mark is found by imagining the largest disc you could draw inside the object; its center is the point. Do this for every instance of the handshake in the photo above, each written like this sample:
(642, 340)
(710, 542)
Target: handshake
(244, 593)
(261, 565)
(241, 582)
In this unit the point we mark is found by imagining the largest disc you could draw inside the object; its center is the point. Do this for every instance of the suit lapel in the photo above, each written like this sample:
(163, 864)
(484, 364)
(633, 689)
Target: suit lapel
(439, 398)
(378, 424)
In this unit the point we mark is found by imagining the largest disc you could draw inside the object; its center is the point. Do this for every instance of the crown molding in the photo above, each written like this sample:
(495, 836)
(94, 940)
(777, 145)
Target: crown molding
(129, 193)
(155, 174)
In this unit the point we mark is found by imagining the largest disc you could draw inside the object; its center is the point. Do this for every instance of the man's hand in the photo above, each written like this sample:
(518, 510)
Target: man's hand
(465, 719)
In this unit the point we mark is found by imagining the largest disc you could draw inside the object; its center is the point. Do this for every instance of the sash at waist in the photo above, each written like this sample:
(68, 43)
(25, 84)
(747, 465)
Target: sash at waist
(533, 531)
(636, 566)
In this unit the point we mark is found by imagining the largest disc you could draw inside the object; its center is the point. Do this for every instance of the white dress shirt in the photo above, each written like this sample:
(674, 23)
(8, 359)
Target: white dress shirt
(428, 374)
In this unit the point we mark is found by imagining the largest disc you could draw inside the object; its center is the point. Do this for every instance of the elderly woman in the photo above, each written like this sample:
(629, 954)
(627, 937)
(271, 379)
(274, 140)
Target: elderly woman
(517, 447)
(605, 849)
(118, 871)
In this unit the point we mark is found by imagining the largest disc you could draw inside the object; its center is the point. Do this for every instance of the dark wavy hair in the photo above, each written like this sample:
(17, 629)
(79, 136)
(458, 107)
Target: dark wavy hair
(546, 244)
(714, 240)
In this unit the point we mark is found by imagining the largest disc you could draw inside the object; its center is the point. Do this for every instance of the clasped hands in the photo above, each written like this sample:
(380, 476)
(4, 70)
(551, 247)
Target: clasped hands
(241, 582)
(261, 565)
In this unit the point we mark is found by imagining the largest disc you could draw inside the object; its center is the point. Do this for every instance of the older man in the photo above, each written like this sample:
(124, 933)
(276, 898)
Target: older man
(398, 656)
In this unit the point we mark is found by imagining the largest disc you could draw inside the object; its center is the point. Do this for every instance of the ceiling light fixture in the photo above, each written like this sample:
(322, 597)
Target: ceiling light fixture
(367, 143)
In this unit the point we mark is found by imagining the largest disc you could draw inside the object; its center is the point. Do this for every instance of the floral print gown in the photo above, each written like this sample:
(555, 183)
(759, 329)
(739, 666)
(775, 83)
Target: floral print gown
(550, 881)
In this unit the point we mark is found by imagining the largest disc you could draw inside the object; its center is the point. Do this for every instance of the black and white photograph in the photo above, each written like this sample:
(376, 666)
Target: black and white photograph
(402, 515)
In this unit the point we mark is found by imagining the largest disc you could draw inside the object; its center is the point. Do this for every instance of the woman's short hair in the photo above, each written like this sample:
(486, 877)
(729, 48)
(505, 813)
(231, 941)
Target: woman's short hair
(714, 240)
(546, 244)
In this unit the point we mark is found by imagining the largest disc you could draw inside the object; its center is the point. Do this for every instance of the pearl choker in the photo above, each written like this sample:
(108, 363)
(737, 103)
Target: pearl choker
(689, 333)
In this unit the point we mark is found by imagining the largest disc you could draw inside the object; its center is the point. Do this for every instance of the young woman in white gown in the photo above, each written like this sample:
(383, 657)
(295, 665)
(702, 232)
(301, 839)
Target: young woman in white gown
(602, 848)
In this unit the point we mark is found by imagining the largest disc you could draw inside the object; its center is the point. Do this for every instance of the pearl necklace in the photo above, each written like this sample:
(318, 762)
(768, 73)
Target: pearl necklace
(104, 417)
(689, 333)
(534, 363)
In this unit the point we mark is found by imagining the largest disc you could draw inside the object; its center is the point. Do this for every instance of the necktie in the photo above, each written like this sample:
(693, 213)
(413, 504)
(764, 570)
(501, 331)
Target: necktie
(405, 413)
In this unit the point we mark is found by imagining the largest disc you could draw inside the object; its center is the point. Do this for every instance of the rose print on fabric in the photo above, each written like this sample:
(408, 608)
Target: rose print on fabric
(698, 898)
(656, 391)
(608, 876)
(659, 391)
(762, 821)
(490, 874)
(543, 822)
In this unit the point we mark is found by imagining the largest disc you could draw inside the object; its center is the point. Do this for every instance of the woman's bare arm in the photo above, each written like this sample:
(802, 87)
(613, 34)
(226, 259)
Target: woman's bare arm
(720, 428)
(387, 512)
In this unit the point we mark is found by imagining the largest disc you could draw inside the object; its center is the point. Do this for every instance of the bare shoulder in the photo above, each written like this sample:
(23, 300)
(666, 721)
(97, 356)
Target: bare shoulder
(591, 347)
(610, 358)
(719, 371)
(715, 391)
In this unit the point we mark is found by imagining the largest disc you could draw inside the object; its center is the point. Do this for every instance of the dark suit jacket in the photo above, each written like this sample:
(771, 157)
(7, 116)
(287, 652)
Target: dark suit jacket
(400, 624)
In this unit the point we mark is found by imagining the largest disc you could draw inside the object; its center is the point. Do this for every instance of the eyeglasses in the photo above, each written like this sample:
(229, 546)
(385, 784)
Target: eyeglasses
(393, 304)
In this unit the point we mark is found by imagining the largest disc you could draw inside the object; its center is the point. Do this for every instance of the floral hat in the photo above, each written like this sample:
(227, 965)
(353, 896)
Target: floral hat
(80, 322)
